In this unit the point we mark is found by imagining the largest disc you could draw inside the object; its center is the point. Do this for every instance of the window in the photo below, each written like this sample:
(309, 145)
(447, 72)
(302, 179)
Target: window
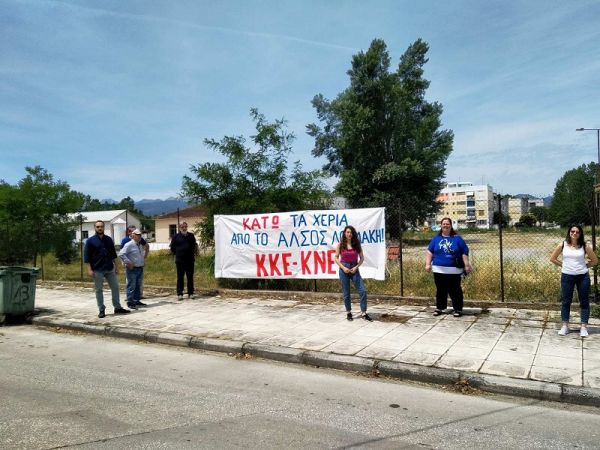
(481, 212)
(172, 230)
(85, 234)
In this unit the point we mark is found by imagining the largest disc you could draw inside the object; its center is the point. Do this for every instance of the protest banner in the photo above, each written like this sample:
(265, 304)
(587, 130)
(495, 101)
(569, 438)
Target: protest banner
(300, 244)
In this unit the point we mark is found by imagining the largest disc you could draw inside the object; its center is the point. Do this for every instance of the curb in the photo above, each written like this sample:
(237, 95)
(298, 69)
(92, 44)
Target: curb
(538, 390)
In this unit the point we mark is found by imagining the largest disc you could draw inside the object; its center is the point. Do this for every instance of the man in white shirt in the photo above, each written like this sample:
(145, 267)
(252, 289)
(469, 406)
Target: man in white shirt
(132, 254)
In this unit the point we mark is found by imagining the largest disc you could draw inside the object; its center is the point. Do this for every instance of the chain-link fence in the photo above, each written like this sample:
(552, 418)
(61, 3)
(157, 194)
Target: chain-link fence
(511, 260)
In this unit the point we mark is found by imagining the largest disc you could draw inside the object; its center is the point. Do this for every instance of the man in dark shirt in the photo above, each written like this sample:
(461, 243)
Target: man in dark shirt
(100, 256)
(184, 247)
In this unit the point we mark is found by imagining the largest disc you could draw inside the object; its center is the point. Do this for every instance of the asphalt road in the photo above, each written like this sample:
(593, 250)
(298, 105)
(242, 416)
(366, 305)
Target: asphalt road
(62, 390)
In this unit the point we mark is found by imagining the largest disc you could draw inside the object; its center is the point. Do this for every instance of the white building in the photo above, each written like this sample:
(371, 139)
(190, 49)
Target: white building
(535, 202)
(467, 204)
(339, 203)
(115, 223)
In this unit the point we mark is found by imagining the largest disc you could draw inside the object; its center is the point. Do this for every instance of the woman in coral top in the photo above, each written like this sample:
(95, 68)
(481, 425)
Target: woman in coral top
(349, 256)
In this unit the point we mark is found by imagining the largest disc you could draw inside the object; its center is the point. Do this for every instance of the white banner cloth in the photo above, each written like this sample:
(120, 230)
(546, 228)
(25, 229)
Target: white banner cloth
(299, 244)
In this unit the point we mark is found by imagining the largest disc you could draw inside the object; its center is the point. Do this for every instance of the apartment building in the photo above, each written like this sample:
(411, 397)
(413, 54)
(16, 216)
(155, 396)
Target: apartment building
(536, 202)
(519, 206)
(515, 207)
(467, 204)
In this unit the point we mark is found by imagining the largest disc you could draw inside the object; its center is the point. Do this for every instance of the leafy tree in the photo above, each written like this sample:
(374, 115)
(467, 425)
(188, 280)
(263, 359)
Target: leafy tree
(541, 213)
(254, 180)
(573, 197)
(527, 220)
(10, 231)
(34, 216)
(382, 138)
(500, 216)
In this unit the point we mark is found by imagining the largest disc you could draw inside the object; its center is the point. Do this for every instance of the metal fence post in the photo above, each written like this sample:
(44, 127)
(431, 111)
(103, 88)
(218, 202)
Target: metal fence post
(594, 212)
(400, 249)
(81, 245)
(500, 221)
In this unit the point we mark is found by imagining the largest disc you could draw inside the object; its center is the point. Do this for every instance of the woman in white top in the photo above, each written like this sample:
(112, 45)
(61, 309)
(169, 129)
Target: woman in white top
(574, 272)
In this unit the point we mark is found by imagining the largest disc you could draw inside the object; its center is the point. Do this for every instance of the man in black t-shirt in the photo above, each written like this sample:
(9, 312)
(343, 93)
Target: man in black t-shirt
(185, 248)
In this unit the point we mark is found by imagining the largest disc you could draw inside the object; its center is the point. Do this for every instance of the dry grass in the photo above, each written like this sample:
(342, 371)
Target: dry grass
(159, 271)
(528, 274)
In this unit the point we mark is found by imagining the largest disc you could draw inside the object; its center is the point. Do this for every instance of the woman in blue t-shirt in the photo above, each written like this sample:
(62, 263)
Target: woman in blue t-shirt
(448, 258)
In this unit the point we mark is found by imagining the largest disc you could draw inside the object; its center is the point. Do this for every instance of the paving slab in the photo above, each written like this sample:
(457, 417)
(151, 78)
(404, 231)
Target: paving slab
(557, 375)
(419, 358)
(460, 362)
(510, 370)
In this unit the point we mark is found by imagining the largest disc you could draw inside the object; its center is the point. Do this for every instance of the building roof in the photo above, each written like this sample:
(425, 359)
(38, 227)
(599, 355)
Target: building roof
(107, 216)
(192, 211)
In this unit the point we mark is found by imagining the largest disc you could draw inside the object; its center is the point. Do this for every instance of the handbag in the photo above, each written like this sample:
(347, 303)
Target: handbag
(458, 261)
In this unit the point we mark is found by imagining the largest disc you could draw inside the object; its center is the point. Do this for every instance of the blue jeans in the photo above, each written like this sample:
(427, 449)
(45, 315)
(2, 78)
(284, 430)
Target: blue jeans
(345, 279)
(113, 283)
(567, 286)
(135, 278)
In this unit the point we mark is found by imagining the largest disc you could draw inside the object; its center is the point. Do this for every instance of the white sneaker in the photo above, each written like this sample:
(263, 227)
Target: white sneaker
(564, 330)
(191, 296)
(180, 297)
(583, 332)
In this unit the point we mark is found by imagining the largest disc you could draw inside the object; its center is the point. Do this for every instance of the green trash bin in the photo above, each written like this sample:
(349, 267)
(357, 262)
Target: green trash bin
(17, 290)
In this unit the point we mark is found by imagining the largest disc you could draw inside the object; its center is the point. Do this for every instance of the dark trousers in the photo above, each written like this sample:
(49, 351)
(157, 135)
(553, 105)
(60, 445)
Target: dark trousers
(448, 284)
(567, 286)
(187, 268)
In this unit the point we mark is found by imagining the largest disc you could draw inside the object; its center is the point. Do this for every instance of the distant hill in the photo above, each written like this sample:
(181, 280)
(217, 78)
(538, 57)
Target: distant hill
(158, 206)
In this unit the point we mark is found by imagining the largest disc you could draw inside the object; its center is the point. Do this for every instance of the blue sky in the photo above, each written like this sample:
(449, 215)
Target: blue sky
(116, 97)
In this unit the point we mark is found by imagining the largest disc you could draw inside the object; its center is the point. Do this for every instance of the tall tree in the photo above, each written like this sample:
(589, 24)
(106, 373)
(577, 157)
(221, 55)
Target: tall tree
(541, 213)
(34, 216)
(501, 218)
(573, 197)
(254, 180)
(382, 138)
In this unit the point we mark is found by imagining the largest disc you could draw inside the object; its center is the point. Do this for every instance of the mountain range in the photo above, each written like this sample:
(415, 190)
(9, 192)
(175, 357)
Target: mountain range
(157, 206)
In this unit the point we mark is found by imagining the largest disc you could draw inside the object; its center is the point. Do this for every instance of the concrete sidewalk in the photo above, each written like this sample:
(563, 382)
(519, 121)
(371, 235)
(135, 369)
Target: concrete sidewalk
(510, 351)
